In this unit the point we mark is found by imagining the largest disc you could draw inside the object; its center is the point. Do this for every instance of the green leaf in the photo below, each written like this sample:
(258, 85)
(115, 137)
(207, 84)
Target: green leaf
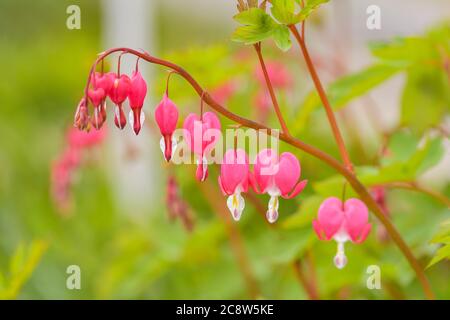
(403, 52)
(258, 25)
(18, 259)
(426, 98)
(345, 90)
(408, 157)
(309, 8)
(282, 37)
(283, 11)
(251, 17)
(22, 265)
(443, 237)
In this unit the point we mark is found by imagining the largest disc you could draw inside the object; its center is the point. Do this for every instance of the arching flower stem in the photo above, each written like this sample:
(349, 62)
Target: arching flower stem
(315, 152)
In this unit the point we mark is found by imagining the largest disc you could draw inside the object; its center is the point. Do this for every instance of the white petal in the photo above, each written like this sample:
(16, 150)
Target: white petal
(142, 118)
(340, 260)
(162, 145)
(236, 205)
(131, 118)
(174, 144)
(272, 212)
(204, 167)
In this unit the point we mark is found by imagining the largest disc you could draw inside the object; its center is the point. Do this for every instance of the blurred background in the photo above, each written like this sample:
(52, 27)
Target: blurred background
(139, 228)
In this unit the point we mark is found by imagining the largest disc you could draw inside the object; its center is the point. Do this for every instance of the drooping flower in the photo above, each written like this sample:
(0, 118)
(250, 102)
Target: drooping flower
(97, 97)
(177, 207)
(199, 137)
(105, 82)
(166, 116)
(136, 96)
(118, 94)
(342, 222)
(234, 179)
(81, 120)
(277, 176)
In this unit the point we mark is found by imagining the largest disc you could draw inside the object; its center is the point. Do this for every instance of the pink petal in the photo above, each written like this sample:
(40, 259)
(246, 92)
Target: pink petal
(331, 216)
(266, 166)
(188, 133)
(253, 183)
(224, 191)
(166, 116)
(120, 89)
(364, 233)
(210, 121)
(138, 91)
(96, 96)
(318, 229)
(298, 188)
(195, 131)
(356, 217)
(234, 170)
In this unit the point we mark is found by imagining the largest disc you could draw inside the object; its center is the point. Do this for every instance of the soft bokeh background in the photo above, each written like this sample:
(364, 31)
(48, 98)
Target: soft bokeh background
(117, 229)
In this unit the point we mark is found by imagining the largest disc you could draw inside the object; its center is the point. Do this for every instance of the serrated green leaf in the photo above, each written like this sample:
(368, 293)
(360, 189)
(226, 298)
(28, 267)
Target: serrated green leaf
(258, 25)
(309, 8)
(282, 37)
(283, 11)
(441, 254)
(443, 237)
(251, 17)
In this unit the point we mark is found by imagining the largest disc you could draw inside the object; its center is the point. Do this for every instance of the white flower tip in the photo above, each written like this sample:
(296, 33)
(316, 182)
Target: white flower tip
(236, 204)
(340, 260)
(272, 216)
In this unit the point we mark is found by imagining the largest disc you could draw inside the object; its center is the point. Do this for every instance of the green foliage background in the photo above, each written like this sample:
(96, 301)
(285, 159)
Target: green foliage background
(44, 68)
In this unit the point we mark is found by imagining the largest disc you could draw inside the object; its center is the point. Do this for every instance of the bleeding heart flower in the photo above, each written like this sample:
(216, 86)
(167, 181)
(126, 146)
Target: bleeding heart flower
(342, 222)
(166, 116)
(81, 115)
(101, 81)
(277, 176)
(118, 94)
(136, 96)
(104, 81)
(234, 179)
(99, 116)
(96, 96)
(199, 137)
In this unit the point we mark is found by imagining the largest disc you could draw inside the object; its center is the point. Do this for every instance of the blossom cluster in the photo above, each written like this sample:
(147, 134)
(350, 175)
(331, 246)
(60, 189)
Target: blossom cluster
(277, 175)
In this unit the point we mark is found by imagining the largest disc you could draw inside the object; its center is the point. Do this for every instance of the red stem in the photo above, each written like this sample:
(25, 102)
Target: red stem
(271, 91)
(324, 99)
